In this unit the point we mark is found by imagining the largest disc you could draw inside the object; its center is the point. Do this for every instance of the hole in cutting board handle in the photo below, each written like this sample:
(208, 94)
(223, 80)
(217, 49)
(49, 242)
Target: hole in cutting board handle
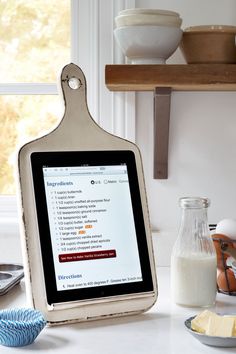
(74, 83)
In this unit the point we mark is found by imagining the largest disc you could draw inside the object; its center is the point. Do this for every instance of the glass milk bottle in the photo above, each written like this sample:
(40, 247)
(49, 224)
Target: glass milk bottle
(193, 259)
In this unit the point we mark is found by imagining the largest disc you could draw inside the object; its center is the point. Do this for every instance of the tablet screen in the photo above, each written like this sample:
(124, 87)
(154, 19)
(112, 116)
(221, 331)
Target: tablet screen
(91, 225)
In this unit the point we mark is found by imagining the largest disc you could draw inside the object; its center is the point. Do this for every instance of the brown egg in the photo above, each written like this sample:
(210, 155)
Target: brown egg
(222, 281)
(221, 257)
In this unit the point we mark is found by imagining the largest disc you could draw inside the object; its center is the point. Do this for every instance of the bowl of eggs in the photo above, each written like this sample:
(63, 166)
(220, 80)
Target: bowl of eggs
(148, 36)
(224, 240)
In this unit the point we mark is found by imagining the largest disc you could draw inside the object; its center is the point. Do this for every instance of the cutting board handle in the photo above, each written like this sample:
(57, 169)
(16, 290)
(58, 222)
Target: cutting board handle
(74, 91)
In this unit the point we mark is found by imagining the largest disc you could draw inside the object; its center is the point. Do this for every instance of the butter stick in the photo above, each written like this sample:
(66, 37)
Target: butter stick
(234, 329)
(210, 323)
(200, 322)
(221, 326)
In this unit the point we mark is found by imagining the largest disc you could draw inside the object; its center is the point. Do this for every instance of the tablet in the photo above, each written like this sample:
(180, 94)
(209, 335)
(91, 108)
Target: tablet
(91, 225)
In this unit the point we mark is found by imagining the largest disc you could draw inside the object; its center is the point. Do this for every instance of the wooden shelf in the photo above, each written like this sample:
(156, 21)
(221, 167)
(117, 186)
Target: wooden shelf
(193, 77)
(162, 79)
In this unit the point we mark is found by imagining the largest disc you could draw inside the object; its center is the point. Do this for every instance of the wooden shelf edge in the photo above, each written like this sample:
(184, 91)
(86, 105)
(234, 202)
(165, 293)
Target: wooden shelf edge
(191, 77)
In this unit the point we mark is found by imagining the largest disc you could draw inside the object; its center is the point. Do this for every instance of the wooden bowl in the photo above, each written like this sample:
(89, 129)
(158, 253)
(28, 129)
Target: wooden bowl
(209, 44)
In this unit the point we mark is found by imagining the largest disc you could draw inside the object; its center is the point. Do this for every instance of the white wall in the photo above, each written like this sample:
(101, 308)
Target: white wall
(202, 145)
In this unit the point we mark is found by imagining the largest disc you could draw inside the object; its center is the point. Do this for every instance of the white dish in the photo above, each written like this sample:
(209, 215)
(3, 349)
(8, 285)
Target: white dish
(148, 44)
(147, 19)
(224, 342)
(148, 11)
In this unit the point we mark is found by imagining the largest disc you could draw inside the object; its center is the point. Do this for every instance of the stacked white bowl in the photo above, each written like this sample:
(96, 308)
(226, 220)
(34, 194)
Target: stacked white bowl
(148, 36)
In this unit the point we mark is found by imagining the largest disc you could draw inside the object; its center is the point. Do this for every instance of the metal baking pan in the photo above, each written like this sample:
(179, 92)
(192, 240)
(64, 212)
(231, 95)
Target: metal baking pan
(10, 275)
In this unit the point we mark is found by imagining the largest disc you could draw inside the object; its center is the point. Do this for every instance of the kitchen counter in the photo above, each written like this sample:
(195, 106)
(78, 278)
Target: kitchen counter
(160, 330)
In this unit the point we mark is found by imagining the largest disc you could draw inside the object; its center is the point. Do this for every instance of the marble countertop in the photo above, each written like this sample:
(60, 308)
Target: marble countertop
(160, 330)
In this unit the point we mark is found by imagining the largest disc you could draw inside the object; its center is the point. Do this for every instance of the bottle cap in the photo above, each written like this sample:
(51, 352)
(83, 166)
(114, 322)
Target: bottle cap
(194, 202)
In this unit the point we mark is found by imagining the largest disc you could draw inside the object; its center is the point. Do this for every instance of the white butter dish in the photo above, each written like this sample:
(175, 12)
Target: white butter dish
(214, 341)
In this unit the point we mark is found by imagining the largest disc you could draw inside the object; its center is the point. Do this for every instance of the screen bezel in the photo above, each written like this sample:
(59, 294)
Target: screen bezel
(89, 158)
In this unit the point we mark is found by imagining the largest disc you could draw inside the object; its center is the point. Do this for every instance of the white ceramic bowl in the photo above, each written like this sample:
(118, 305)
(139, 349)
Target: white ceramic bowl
(147, 19)
(148, 44)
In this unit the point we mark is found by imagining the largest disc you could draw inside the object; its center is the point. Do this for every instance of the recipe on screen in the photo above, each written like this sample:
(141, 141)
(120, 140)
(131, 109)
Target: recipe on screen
(92, 226)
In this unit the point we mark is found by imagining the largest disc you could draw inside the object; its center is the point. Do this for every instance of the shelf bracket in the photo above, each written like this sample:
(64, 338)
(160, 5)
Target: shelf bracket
(162, 98)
